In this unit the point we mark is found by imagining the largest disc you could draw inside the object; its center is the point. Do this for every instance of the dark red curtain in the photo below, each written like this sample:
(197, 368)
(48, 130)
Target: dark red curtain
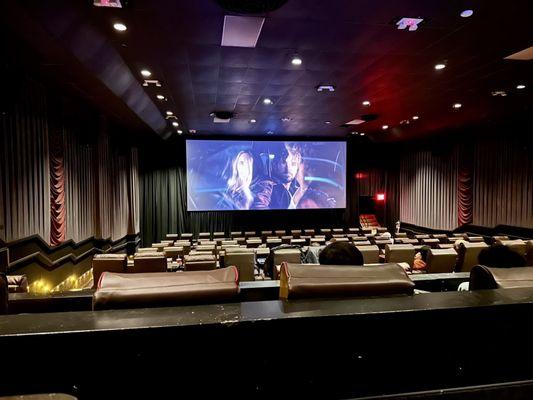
(57, 189)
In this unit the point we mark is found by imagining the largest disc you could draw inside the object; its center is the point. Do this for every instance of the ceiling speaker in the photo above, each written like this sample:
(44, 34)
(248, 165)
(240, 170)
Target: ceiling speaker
(251, 6)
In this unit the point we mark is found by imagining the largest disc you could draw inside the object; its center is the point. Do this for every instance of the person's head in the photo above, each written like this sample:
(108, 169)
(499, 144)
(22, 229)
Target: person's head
(241, 171)
(386, 235)
(286, 162)
(340, 253)
(500, 256)
(422, 253)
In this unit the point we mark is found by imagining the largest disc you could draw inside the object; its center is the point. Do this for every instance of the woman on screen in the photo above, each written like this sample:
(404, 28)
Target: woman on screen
(238, 193)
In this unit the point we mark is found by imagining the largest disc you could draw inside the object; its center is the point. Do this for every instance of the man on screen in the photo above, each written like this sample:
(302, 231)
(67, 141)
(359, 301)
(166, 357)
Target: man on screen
(286, 187)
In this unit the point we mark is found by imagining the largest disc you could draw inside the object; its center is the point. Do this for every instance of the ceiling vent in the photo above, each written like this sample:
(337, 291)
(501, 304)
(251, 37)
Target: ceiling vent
(251, 7)
(107, 3)
(241, 31)
(222, 117)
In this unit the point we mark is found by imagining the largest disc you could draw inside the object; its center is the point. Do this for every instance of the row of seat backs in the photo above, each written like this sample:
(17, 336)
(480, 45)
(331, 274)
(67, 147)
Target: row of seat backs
(144, 262)
(264, 233)
(119, 290)
(483, 277)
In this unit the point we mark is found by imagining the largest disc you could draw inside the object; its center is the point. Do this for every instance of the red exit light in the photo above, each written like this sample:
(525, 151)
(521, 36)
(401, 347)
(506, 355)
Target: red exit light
(380, 197)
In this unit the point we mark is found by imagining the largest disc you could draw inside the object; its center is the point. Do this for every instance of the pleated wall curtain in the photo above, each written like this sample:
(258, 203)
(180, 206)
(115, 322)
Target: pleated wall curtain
(164, 207)
(53, 177)
(503, 183)
(428, 185)
(25, 165)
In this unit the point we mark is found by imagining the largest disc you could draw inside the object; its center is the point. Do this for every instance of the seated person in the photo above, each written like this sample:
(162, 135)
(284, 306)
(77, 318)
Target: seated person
(340, 253)
(420, 261)
(497, 256)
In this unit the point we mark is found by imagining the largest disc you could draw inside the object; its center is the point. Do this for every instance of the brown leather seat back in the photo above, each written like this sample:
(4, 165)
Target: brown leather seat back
(166, 289)
(529, 253)
(332, 281)
(4, 296)
(441, 261)
(253, 243)
(245, 263)
(467, 255)
(516, 245)
(173, 252)
(370, 253)
(149, 264)
(200, 262)
(108, 262)
(286, 255)
(396, 253)
(17, 283)
(482, 277)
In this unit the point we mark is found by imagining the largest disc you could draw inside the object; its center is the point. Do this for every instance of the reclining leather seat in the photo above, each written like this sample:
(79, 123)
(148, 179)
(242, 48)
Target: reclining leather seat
(467, 255)
(200, 262)
(149, 263)
(3, 294)
(108, 262)
(370, 253)
(17, 283)
(441, 261)
(482, 277)
(166, 289)
(244, 261)
(516, 245)
(333, 281)
(395, 253)
(529, 253)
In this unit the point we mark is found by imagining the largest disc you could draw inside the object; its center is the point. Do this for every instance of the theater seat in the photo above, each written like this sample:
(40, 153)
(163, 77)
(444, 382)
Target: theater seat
(166, 289)
(516, 245)
(441, 261)
(244, 261)
(200, 262)
(467, 255)
(335, 281)
(17, 283)
(529, 252)
(156, 263)
(4, 295)
(370, 253)
(397, 253)
(108, 262)
(482, 277)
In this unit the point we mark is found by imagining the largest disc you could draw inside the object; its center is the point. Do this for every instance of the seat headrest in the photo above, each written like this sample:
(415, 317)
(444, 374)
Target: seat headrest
(482, 277)
(165, 289)
(199, 257)
(333, 281)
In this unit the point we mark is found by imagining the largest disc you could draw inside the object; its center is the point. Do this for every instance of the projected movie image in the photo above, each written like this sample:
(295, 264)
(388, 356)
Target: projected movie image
(265, 175)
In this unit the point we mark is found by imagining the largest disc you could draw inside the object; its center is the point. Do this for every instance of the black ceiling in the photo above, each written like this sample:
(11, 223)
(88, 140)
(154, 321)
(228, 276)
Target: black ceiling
(352, 44)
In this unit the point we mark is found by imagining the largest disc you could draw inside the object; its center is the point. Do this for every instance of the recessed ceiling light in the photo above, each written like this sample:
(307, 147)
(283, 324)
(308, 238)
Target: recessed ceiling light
(325, 88)
(267, 101)
(270, 132)
(467, 13)
(285, 119)
(362, 134)
(440, 66)
(366, 103)
(146, 73)
(175, 124)
(355, 133)
(327, 122)
(296, 60)
(170, 113)
(415, 117)
(520, 86)
(253, 121)
(180, 131)
(457, 105)
(384, 127)
(160, 97)
(119, 26)
(501, 93)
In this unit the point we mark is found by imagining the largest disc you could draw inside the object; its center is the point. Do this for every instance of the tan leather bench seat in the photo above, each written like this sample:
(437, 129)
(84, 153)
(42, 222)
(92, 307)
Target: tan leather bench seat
(320, 281)
(166, 289)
